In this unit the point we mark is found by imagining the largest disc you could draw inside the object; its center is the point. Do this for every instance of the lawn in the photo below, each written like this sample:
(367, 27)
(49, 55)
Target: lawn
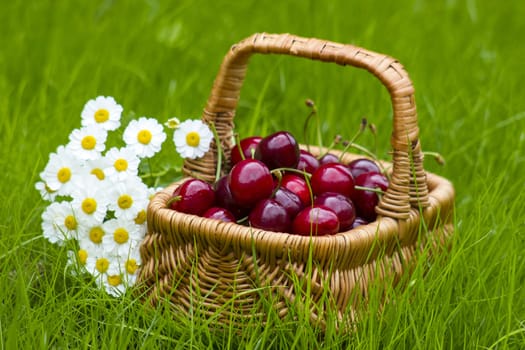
(159, 59)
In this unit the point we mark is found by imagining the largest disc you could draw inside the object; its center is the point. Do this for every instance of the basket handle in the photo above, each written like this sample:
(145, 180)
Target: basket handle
(408, 186)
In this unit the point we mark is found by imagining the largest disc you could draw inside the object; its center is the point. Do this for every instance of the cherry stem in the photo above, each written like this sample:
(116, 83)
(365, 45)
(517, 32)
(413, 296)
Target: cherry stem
(437, 157)
(302, 172)
(219, 151)
(311, 104)
(351, 142)
(173, 200)
(238, 142)
(371, 189)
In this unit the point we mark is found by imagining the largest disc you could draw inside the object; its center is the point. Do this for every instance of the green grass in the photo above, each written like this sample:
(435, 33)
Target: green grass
(159, 58)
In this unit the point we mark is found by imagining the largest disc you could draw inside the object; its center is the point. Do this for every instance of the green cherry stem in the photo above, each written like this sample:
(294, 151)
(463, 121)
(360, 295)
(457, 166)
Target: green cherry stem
(371, 189)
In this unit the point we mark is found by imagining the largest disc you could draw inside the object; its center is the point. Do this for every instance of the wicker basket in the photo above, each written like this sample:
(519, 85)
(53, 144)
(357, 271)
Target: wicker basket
(192, 261)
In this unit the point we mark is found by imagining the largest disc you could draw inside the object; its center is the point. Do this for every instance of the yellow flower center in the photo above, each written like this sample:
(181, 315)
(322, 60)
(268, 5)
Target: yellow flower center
(121, 164)
(120, 235)
(141, 217)
(144, 137)
(82, 256)
(131, 266)
(89, 205)
(96, 234)
(70, 222)
(64, 174)
(102, 265)
(99, 173)
(89, 142)
(125, 201)
(193, 139)
(114, 280)
(101, 115)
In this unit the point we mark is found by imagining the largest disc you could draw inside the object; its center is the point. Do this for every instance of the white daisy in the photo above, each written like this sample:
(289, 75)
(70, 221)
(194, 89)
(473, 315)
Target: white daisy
(59, 222)
(90, 236)
(90, 201)
(145, 136)
(102, 111)
(76, 260)
(45, 192)
(113, 281)
(192, 139)
(123, 162)
(122, 237)
(87, 142)
(172, 123)
(130, 266)
(96, 167)
(61, 170)
(128, 197)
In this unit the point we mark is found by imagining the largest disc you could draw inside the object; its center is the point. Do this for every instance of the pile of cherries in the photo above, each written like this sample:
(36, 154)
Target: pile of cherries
(275, 186)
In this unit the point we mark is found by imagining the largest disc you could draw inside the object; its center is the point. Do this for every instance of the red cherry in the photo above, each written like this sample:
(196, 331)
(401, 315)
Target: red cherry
(270, 215)
(247, 145)
(307, 162)
(289, 200)
(366, 201)
(224, 198)
(193, 197)
(219, 213)
(358, 222)
(332, 177)
(328, 158)
(315, 221)
(363, 165)
(297, 184)
(278, 150)
(342, 207)
(250, 181)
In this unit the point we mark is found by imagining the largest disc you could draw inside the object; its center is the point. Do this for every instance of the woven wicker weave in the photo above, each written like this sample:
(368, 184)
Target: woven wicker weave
(190, 260)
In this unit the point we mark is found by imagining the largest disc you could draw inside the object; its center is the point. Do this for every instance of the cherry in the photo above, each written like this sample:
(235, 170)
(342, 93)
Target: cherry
(307, 162)
(315, 221)
(332, 177)
(366, 201)
(224, 198)
(219, 213)
(278, 150)
(363, 165)
(297, 184)
(359, 221)
(340, 205)
(328, 158)
(250, 181)
(193, 197)
(289, 200)
(270, 216)
(247, 145)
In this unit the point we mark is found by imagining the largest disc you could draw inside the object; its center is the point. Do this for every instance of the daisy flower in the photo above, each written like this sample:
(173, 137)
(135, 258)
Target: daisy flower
(102, 111)
(90, 236)
(192, 139)
(145, 136)
(128, 197)
(122, 237)
(59, 222)
(106, 269)
(61, 170)
(45, 192)
(90, 200)
(96, 167)
(123, 162)
(130, 266)
(87, 142)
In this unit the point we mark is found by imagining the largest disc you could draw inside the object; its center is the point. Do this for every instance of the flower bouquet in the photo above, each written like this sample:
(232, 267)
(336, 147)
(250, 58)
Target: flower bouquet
(98, 197)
